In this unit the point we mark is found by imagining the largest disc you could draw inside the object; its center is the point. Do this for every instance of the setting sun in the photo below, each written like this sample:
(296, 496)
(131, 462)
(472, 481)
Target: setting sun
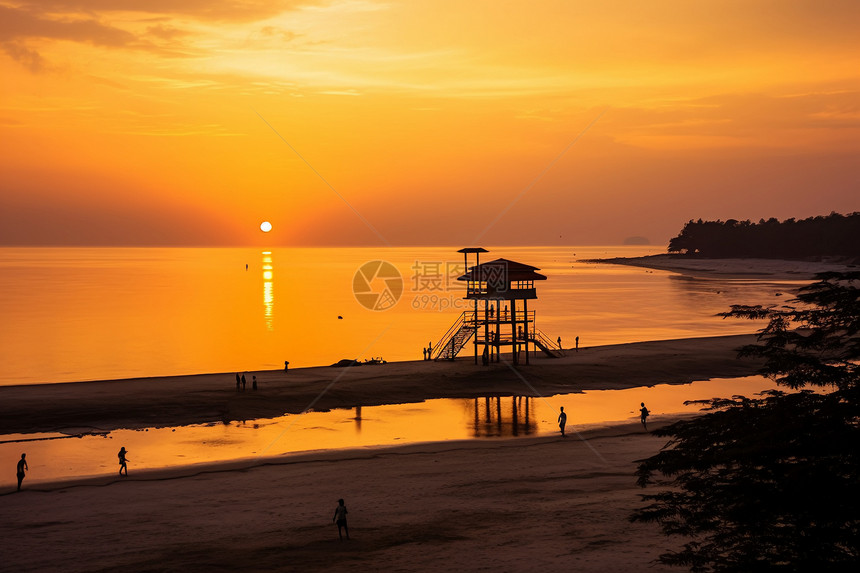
(265, 226)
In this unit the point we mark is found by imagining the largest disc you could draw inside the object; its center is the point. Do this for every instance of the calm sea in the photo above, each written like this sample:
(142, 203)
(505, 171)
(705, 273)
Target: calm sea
(104, 313)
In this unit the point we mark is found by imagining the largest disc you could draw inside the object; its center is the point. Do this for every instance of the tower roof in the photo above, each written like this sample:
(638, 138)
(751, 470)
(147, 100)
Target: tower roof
(495, 270)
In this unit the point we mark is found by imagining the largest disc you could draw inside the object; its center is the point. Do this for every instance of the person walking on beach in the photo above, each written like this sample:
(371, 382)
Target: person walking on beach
(22, 467)
(123, 461)
(243, 382)
(253, 383)
(340, 518)
(643, 415)
(577, 344)
(559, 342)
(562, 421)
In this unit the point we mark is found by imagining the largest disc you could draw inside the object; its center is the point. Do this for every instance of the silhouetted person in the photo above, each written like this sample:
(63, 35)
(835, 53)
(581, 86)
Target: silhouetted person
(238, 382)
(643, 415)
(492, 311)
(562, 421)
(253, 383)
(485, 357)
(243, 382)
(577, 344)
(429, 350)
(340, 518)
(559, 342)
(22, 467)
(286, 365)
(424, 353)
(123, 461)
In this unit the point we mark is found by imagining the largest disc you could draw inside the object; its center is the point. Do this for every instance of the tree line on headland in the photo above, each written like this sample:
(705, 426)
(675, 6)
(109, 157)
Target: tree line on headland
(834, 235)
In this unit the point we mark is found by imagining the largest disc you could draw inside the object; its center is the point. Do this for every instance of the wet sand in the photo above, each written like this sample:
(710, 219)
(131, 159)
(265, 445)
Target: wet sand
(533, 504)
(180, 400)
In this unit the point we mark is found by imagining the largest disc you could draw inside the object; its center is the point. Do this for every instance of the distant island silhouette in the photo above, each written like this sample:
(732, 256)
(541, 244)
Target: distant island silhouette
(637, 240)
(834, 236)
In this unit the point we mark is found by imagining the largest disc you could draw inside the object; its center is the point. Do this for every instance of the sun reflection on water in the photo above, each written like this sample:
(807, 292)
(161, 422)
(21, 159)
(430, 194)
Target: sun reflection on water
(268, 290)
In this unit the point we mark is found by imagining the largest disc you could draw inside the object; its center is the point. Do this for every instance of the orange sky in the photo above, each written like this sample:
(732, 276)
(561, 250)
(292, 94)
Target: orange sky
(438, 122)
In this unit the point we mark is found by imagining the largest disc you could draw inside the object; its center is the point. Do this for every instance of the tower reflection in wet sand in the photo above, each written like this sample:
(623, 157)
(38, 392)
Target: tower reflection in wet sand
(268, 290)
(490, 420)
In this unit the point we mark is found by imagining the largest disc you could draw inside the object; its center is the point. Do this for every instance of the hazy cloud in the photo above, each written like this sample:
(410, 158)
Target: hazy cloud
(273, 31)
(97, 211)
(21, 24)
(22, 30)
(235, 10)
(756, 118)
(166, 32)
(30, 59)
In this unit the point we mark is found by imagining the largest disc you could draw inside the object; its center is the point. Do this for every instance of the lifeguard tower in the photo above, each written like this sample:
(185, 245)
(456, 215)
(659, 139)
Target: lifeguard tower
(500, 318)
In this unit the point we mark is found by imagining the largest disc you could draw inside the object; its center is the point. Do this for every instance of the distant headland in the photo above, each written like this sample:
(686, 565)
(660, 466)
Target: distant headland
(834, 237)
(790, 249)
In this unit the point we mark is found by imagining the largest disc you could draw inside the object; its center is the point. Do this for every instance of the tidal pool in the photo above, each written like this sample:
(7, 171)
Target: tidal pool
(53, 457)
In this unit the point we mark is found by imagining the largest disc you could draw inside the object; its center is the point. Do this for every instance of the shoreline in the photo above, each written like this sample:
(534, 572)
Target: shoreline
(740, 268)
(100, 406)
(614, 429)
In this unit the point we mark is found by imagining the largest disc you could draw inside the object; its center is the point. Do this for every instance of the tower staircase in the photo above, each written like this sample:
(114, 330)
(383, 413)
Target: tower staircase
(456, 338)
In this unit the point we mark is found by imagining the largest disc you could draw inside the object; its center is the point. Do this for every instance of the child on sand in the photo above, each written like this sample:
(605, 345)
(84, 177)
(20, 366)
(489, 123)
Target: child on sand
(643, 415)
(562, 420)
(340, 518)
(123, 461)
(22, 467)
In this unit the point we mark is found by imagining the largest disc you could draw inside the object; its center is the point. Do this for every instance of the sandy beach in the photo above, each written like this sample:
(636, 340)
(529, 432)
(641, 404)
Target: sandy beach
(538, 503)
(172, 401)
(777, 269)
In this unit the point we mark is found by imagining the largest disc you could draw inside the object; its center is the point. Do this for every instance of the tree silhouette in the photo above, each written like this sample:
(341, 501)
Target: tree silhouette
(770, 483)
(834, 235)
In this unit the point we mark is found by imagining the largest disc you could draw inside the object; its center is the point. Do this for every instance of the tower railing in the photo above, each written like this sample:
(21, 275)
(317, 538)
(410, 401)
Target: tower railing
(506, 317)
(546, 344)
